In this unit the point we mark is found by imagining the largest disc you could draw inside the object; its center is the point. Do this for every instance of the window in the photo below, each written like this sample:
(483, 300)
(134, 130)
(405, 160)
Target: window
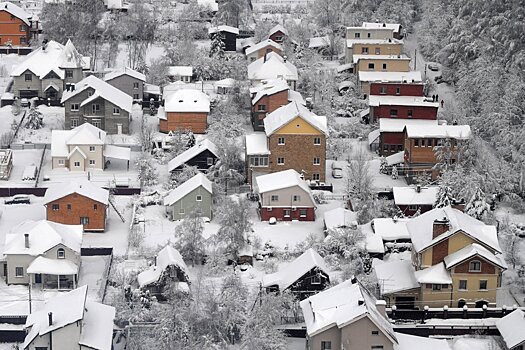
(462, 285)
(375, 332)
(382, 90)
(286, 213)
(482, 284)
(280, 141)
(61, 253)
(96, 122)
(317, 141)
(280, 161)
(412, 207)
(436, 287)
(317, 161)
(69, 207)
(316, 177)
(61, 162)
(91, 162)
(95, 207)
(274, 198)
(377, 347)
(302, 213)
(69, 73)
(410, 113)
(368, 35)
(371, 66)
(398, 91)
(422, 144)
(136, 96)
(84, 220)
(268, 50)
(55, 207)
(199, 198)
(22, 28)
(429, 142)
(95, 108)
(75, 107)
(378, 51)
(92, 148)
(364, 50)
(357, 35)
(316, 279)
(74, 122)
(326, 345)
(28, 77)
(77, 164)
(209, 161)
(384, 66)
(181, 211)
(296, 198)
(135, 85)
(416, 143)
(116, 111)
(475, 266)
(278, 38)
(41, 348)
(393, 112)
(259, 161)
(90, 93)
(19, 271)
(23, 40)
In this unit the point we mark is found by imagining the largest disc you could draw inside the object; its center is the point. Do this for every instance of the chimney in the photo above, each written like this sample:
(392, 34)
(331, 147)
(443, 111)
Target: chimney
(384, 24)
(360, 301)
(439, 227)
(285, 58)
(265, 57)
(353, 279)
(50, 318)
(26, 240)
(418, 188)
(381, 307)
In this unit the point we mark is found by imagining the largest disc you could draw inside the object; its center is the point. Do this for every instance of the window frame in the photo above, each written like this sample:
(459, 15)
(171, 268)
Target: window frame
(74, 107)
(198, 198)
(470, 269)
(296, 198)
(69, 74)
(326, 345)
(316, 177)
(84, 220)
(317, 141)
(280, 160)
(274, 198)
(55, 207)
(92, 162)
(92, 148)
(135, 85)
(63, 255)
(116, 110)
(303, 213)
(17, 269)
(371, 66)
(95, 108)
(382, 90)
(75, 164)
(28, 77)
(486, 285)
(317, 161)
(287, 213)
(281, 141)
(466, 285)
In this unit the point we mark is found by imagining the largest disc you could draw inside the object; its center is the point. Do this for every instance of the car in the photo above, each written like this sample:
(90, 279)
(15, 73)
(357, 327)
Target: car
(337, 173)
(18, 199)
(24, 102)
(433, 66)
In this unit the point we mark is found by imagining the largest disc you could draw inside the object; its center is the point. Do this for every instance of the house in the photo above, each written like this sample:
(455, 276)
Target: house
(210, 7)
(203, 155)
(395, 27)
(48, 71)
(185, 109)
(168, 274)
(180, 73)
(305, 276)
(259, 50)
(321, 44)
(228, 36)
(398, 284)
(390, 47)
(391, 230)
(117, 5)
(391, 83)
(76, 203)
(415, 199)
(422, 145)
(284, 195)
(226, 86)
(339, 217)
(365, 33)
(15, 25)
(6, 163)
(348, 316)
(257, 155)
(381, 63)
(44, 254)
(83, 149)
(193, 195)
(392, 133)
(402, 107)
(267, 97)
(129, 81)
(297, 140)
(511, 329)
(94, 101)
(70, 321)
(278, 34)
(273, 66)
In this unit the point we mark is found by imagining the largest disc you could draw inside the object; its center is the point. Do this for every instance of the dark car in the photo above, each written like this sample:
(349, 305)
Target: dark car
(18, 199)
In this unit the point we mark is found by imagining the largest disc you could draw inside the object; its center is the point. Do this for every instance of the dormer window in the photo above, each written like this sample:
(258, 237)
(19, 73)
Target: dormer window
(61, 253)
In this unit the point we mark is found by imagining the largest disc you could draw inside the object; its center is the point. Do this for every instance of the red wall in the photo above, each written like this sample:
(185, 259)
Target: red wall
(278, 213)
(405, 89)
(276, 34)
(418, 112)
(406, 211)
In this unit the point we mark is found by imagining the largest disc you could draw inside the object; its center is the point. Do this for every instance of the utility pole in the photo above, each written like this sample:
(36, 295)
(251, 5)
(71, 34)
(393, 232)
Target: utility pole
(415, 59)
(29, 289)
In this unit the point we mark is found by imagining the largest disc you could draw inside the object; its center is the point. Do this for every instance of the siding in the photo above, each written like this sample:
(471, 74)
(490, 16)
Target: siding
(10, 30)
(418, 112)
(405, 89)
(125, 84)
(272, 103)
(196, 122)
(189, 203)
(80, 207)
(399, 65)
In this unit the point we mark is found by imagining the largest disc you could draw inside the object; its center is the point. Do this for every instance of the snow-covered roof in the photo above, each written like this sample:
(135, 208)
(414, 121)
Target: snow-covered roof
(318, 42)
(374, 243)
(85, 134)
(377, 25)
(458, 132)
(411, 196)
(395, 276)
(192, 153)
(340, 306)
(396, 158)
(52, 266)
(180, 71)
(262, 45)
(351, 42)
(210, 4)
(102, 90)
(373, 136)
(386, 100)
(247, 42)
(16, 11)
(295, 96)
(257, 144)
(170, 89)
(43, 235)
(279, 180)
(470, 251)
(272, 67)
(411, 342)
(277, 28)
(117, 152)
(188, 100)
(398, 125)
(195, 182)
(511, 328)
(42, 61)
(285, 114)
(166, 257)
(391, 77)
(288, 275)
(152, 89)
(82, 187)
(436, 274)
(268, 88)
(125, 71)
(224, 28)
(420, 228)
(97, 326)
(391, 229)
(227, 82)
(339, 217)
(356, 58)
(344, 67)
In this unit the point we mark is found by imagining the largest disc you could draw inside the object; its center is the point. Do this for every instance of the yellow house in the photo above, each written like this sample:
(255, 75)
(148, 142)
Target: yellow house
(381, 63)
(372, 47)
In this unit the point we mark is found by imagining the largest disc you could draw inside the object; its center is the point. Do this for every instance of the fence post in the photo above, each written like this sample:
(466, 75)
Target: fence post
(504, 310)
(425, 313)
(445, 312)
(465, 311)
(485, 311)
(394, 308)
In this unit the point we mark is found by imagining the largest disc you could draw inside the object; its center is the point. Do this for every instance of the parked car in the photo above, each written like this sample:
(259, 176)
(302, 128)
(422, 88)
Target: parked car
(24, 102)
(337, 173)
(18, 199)
(433, 66)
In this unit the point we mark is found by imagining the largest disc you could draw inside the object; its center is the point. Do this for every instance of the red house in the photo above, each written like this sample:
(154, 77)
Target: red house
(278, 34)
(391, 133)
(402, 107)
(15, 25)
(396, 89)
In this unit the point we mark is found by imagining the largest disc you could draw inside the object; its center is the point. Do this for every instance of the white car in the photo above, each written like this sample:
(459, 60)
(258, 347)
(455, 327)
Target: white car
(337, 173)
(433, 66)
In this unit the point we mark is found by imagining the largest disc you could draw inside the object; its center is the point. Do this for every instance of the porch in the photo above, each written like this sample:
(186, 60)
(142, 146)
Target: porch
(56, 274)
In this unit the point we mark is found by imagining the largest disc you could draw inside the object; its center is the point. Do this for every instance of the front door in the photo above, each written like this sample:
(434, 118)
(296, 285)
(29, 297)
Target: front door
(38, 278)
(119, 129)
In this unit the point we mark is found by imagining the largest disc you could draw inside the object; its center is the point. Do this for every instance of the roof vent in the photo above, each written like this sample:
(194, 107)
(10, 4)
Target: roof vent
(180, 101)
(360, 301)
(26, 240)
(50, 318)
(384, 24)
(418, 188)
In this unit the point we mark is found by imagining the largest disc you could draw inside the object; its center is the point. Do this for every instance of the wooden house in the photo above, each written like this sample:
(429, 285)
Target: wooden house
(16, 25)
(278, 34)
(402, 107)
(129, 81)
(203, 155)
(193, 195)
(415, 199)
(228, 36)
(273, 66)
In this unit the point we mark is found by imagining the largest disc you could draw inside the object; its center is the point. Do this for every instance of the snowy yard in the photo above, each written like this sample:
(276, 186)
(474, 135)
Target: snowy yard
(93, 269)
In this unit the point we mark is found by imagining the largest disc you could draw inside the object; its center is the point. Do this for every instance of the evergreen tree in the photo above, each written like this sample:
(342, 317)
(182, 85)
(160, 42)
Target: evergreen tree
(383, 166)
(217, 46)
(444, 197)
(477, 206)
(34, 119)
(395, 174)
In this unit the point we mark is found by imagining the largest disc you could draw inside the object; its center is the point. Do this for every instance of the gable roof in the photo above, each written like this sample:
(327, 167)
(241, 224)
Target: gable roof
(69, 57)
(436, 274)
(391, 229)
(279, 180)
(188, 100)
(16, 11)
(257, 144)
(470, 251)
(181, 71)
(395, 276)
(390, 77)
(268, 88)
(319, 42)
(126, 71)
(103, 90)
(43, 235)
(410, 195)
(415, 101)
(292, 272)
(272, 66)
(376, 25)
(285, 114)
(341, 306)
(398, 125)
(97, 326)
(166, 257)
(511, 328)
(457, 132)
(277, 28)
(83, 188)
(339, 217)
(223, 28)
(352, 42)
(85, 134)
(411, 342)
(420, 228)
(192, 152)
(182, 190)
(263, 44)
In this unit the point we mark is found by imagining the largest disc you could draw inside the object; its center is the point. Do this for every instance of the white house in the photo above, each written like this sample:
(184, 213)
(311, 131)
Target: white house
(273, 66)
(182, 73)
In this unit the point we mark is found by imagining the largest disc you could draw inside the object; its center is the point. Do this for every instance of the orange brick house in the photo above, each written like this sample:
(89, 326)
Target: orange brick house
(15, 25)
(78, 203)
(185, 109)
